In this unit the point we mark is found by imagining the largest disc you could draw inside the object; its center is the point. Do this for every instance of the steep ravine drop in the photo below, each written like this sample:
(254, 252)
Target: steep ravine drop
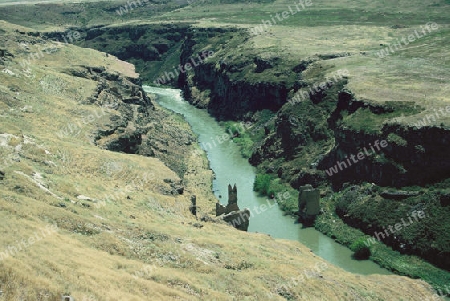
(229, 167)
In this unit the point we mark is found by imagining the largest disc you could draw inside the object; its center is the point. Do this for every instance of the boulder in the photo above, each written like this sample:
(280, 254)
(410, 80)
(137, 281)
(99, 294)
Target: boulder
(238, 219)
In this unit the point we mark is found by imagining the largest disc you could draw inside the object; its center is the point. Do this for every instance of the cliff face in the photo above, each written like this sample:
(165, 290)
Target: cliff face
(413, 156)
(425, 236)
(152, 49)
(137, 127)
(220, 84)
(229, 99)
(420, 159)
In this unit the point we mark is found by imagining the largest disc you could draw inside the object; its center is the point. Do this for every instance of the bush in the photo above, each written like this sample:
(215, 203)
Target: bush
(246, 145)
(361, 250)
(262, 183)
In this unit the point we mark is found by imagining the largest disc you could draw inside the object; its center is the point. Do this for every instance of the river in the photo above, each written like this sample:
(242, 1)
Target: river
(230, 168)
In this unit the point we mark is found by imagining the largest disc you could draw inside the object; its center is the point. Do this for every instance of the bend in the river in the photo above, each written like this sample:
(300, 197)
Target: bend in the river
(230, 167)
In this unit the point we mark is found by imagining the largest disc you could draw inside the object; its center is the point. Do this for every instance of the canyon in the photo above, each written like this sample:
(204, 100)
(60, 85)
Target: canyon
(250, 79)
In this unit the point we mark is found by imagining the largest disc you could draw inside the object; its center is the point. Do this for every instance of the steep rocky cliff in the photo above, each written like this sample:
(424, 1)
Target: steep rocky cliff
(414, 155)
(236, 81)
(153, 49)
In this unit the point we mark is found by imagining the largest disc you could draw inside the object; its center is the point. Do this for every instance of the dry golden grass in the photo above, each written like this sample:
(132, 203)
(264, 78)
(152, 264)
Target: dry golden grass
(130, 241)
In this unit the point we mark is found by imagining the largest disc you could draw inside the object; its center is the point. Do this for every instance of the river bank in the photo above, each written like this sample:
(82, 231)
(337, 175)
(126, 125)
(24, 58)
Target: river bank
(230, 167)
(330, 232)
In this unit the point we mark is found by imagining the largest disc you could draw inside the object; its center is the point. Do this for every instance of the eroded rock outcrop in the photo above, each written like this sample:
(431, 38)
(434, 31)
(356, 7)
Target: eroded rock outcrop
(132, 124)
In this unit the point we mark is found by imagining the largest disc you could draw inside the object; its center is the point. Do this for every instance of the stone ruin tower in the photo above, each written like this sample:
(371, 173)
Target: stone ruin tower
(308, 204)
(231, 212)
(232, 202)
(232, 194)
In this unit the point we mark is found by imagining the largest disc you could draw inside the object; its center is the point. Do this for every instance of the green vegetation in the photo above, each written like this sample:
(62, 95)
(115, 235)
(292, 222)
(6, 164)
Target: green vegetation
(365, 120)
(245, 134)
(271, 186)
(412, 266)
(363, 206)
(362, 251)
(262, 184)
(393, 138)
(246, 145)
(241, 136)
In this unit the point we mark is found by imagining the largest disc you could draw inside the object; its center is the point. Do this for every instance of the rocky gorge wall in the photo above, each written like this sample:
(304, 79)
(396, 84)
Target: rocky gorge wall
(229, 94)
(414, 156)
(153, 49)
